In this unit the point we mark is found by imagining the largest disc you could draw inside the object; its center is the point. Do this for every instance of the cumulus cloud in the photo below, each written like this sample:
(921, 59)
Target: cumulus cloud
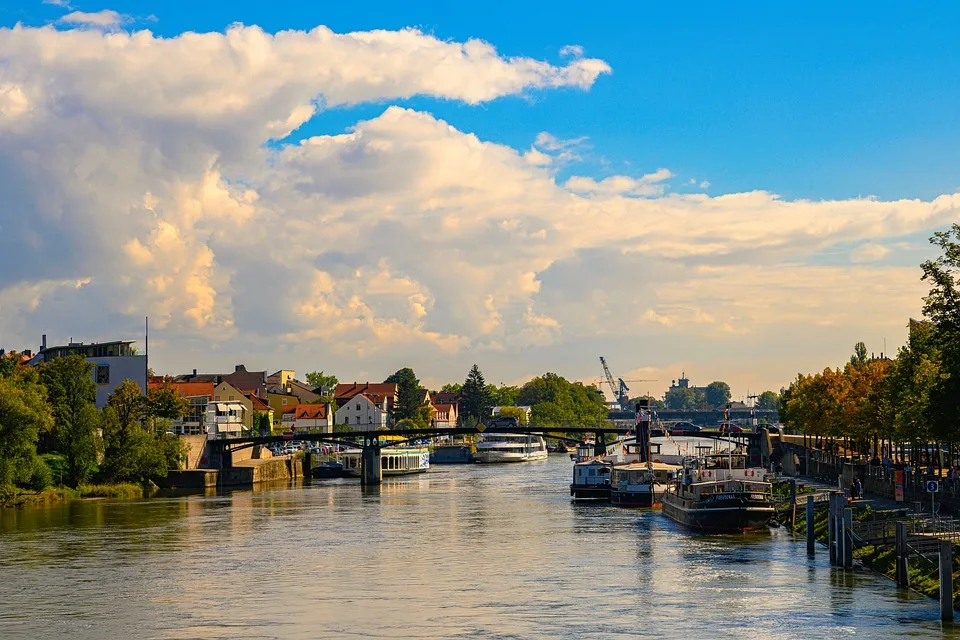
(573, 50)
(105, 18)
(138, 166)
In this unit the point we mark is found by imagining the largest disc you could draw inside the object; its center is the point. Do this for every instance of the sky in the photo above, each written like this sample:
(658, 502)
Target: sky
(737, 193)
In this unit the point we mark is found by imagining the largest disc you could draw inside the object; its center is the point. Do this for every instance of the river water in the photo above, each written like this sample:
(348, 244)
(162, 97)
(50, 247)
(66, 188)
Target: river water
(465, 551)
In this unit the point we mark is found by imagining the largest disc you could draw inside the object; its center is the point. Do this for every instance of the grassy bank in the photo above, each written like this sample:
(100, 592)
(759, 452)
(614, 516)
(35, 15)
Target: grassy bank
(17, 498)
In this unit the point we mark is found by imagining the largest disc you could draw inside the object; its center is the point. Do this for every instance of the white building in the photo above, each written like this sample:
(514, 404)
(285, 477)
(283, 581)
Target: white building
(360, 413)
(113, 362)
(306, 417)
(225, 419)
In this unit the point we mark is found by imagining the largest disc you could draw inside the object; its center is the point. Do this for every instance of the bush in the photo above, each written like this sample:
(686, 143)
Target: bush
(122, 490)
(41, 477)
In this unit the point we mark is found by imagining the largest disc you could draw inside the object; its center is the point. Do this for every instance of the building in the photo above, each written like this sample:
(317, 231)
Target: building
(307, 417)
(113, 362)
(363, 413)
(251, 381)
(226, 419)
(198, 395)
(281, 378)
(226, 392)
(684, 383)
(444, 415)
(383, 390)
(280, 401)
(259, 407)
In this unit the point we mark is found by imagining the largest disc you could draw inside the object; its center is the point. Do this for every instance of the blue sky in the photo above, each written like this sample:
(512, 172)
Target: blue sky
(407, 243)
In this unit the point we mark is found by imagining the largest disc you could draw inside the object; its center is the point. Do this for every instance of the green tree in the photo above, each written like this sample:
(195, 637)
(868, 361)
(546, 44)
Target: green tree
(768, 401)
(555, 401)
(261, 423)
(859, 356)
(412, 403)
(942, 307)
(322, 384)
(24, 414)
(684, 399)
(474, 397)
(454, 387)
(165, 402)
(72, 392)
(514, 412)
(717, 393)
(504, 395)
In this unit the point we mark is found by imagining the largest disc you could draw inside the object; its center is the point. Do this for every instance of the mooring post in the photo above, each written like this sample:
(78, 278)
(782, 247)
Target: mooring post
(307, 469)
(902, 566)
(848, 538)
(793, 505)
(946, 580)
(832, 528)
(811, 537)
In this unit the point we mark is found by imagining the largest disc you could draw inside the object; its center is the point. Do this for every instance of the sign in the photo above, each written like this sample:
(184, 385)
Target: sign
(898, 490)
(481, 427)
(933, 486)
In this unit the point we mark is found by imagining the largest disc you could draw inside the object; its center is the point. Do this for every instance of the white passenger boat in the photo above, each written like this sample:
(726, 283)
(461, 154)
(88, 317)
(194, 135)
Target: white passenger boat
(510, 447)
(394, 461)
(591, 480)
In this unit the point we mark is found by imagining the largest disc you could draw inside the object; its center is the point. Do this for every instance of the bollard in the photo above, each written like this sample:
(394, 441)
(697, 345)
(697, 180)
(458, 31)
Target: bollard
(811, 537)
(793, 506)
(832, 528)
(946, 580)
(848, 538)
(902, 566)
(307, 469)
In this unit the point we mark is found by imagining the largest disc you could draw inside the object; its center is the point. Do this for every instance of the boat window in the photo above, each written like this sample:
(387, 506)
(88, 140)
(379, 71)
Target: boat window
(593, 472)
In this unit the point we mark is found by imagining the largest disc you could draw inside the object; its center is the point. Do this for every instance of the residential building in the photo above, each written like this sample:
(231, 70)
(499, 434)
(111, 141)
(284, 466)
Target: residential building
(303, 391)
(226, 419)
(198, 396)
(280, 401)
(252, 381)
(259, 407)
(363, 413)
(113, 362)
(281, 378)
(307, 417)
(226, 392)
(444, 415)
(445, 397)
(383, 390)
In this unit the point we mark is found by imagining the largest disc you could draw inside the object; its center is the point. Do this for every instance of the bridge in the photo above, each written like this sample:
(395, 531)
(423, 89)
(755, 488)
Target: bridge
(373, 442)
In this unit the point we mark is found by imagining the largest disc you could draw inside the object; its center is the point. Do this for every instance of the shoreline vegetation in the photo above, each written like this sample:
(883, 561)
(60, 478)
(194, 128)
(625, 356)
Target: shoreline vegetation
(12, 497)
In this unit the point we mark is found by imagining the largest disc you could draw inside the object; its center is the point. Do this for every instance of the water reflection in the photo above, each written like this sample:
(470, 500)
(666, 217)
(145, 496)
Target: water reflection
(465, 551)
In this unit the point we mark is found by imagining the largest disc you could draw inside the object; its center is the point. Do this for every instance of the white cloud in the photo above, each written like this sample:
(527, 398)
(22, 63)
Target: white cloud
(105, 18)
(58, 3)
(138, 165)
(705, 184)
(573, 50)
(868, 252)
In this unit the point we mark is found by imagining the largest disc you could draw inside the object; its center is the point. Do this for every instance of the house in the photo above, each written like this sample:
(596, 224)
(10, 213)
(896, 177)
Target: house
(385, 390)
(304, 392)
(226, 392)
(280, 401)
(281, 378)
(226, 419)
(23, 357)
(363, 413)
(198, 395)
(307, 417)
(445, 397)
(259, 407)
(253, 381)
(113, 362)
(444, 415)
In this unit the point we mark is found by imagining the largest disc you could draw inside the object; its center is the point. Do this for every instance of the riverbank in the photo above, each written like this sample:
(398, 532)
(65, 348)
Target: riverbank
(15, 498)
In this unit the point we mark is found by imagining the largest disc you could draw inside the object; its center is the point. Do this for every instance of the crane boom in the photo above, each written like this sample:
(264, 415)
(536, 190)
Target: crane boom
(620, 391)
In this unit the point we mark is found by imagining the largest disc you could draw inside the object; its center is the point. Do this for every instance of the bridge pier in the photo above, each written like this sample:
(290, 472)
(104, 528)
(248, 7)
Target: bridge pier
(371, 471)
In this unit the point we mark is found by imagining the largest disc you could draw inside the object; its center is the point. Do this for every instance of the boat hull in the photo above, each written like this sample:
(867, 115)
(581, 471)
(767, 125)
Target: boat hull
(502, 456)
(729, 516)
(590, 492)
(330, 472)
(635, 499)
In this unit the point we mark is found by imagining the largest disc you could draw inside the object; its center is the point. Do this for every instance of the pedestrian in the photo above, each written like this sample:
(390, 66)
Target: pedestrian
(853, 490)
(859, 488)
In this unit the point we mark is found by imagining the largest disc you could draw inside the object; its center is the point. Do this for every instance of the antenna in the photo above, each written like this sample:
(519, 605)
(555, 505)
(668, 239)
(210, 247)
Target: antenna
(146, 354)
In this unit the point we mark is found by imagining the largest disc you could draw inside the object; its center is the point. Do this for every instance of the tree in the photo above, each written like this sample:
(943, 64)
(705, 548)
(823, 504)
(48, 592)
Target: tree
(412, 403)
(474, 396)
(768, 401)
(261, 423)
(555, 401)
(684, 399)
(653, 403)
(942, 307)
(165, 402)
(323, 385)
(72, 392)
(504, 395)
(455, 387)
(24, 414)
(859, 356)
(717, 393)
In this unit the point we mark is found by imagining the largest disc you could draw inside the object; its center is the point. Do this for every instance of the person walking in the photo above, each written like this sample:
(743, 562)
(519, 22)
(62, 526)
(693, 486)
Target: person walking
(853, 490)
(859, 486)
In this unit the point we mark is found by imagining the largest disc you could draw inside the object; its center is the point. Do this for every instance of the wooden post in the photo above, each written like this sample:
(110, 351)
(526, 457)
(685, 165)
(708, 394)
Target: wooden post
(848, 538)
(793, 505)
(811, 537)
(307, 469)
(946, 580)
(832, 528)
(902, 572)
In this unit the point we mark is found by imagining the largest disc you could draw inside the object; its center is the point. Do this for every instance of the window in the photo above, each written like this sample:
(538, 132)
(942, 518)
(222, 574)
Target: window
(284, 401)
(230, 398)
(346, 420)
(103, 374)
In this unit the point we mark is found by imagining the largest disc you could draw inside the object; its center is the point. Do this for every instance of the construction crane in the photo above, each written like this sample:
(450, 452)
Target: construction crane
(619, 388)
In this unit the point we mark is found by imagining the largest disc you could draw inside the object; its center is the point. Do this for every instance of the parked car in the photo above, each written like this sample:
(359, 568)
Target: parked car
(730, 428)
(684, 429)
(502, 421)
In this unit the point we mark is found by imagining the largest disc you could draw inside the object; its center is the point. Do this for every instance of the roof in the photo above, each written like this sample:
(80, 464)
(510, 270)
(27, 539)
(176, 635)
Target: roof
(188, 389)
(658, 466)
(306, 411)
(348, 390)
(258, 404)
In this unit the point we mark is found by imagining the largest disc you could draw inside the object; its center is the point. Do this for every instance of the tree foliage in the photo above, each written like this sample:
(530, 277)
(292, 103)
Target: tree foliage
(72, 392)
(475, 401)
(514, 412)
(322, 384)
(768, 401)
(412, 403)
(165, 402)
(717, 393)
(555, 401)
(24, 414)
(685, 399)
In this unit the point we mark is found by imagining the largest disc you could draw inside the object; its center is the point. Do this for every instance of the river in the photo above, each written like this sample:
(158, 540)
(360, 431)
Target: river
(465, 551)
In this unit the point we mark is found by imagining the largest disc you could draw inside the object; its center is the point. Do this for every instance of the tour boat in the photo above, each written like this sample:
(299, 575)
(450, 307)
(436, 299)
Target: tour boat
(510, 447)
(640, 484)
(394, 461)
(720, 494)
(591, 481)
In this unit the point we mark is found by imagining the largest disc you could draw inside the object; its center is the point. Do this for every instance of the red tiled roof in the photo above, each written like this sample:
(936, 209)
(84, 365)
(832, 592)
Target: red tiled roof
(306, 411)
(188, 389)
(383, 389)
(258, 404)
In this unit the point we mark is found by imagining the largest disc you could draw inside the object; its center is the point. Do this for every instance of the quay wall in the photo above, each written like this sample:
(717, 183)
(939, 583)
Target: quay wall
(245, 473)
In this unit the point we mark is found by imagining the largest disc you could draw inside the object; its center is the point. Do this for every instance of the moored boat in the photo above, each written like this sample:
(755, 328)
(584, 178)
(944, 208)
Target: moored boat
(394, 461)
(719, 494)
(591, 481)
(510, 447)
(640, 484)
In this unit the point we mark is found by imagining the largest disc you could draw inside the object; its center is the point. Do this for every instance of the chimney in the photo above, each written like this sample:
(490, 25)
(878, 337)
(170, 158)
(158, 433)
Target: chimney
(194, 373)
(28, 353)
(43, 342)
